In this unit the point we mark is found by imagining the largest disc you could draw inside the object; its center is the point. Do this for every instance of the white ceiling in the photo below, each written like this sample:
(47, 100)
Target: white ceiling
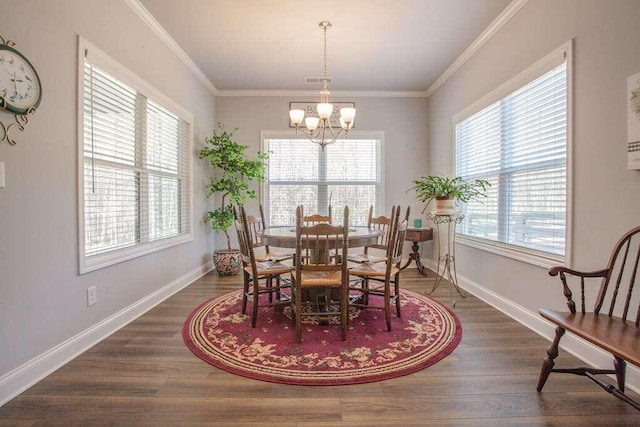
(374, 45)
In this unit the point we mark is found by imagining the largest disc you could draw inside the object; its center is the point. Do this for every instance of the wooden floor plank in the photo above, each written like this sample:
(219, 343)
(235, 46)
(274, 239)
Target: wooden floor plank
(145, 375)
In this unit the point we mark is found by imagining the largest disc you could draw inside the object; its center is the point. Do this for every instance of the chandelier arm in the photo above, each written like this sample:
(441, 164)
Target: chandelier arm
(318, 137)
(331, 141)
(333, 132)
(324, 142)
(306, 132)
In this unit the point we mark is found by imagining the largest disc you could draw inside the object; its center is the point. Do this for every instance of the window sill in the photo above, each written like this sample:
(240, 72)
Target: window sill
(96, 262)
(540, 259)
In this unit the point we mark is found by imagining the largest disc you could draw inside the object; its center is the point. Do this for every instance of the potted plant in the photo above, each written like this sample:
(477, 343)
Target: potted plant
(233, 171)
(446, 191)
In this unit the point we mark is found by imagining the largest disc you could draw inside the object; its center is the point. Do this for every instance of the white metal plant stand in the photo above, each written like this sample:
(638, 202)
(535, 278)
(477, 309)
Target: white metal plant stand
(447, 260)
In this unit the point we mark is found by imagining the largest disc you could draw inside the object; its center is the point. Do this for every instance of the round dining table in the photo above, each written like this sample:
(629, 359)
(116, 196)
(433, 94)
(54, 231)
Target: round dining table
(285, 236)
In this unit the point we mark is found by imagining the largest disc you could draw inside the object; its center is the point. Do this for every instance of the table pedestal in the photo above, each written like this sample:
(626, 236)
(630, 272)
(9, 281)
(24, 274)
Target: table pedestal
(417, 235)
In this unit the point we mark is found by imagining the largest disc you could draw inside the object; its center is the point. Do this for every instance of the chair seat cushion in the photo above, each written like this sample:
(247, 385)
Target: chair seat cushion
(269, 268)
(610, 333)
(320, 278)
(362, 258)
(372, 269)
(273, 256)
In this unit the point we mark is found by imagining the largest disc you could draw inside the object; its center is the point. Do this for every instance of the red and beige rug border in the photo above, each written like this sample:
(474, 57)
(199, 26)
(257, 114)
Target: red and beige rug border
(451, 337)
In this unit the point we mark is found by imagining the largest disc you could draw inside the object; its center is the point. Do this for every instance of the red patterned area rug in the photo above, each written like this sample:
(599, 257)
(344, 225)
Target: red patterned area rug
(218, 333)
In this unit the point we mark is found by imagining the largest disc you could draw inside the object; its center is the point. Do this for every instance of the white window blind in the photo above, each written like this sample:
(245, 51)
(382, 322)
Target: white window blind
(519, 144)
(135, 180)
(346, 173)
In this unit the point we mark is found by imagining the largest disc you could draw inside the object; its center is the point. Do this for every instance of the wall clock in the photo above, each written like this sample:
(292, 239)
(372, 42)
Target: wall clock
(20, 88)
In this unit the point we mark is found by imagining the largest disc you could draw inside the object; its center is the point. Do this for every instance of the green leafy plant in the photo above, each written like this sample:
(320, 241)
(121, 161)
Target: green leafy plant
(233, 171)
(432, 187)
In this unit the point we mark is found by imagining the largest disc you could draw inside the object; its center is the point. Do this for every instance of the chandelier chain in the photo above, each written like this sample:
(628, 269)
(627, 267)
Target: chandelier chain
(324, 93)
(324, 73)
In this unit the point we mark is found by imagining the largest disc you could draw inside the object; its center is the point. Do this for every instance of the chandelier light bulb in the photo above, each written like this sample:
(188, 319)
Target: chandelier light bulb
(296, 116)
(348, 114)
(312, 123)
(324, 110)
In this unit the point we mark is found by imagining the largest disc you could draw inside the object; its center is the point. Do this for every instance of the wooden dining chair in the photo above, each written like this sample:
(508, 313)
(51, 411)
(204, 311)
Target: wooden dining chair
(262, 251)
(383, 224)
(318, 271)
(377, 278)
(316, 218)
(260, 277)
(406, 214)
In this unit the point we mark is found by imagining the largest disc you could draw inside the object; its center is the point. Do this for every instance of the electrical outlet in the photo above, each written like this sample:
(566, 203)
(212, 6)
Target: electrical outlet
(92, 295)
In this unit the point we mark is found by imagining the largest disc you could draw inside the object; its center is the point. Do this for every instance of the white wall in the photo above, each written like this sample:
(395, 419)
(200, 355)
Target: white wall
(403, 121)
(42, 297)
(606, 196)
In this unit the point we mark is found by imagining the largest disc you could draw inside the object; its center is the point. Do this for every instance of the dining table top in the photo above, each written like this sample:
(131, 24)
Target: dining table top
(285, 236)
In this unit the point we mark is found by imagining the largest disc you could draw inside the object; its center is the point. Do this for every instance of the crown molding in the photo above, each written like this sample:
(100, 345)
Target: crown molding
(334, 93)
(489, 32)
(155, 26)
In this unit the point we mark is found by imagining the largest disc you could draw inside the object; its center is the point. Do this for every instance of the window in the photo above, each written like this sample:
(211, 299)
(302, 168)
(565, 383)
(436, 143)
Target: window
(135, 189)
(517, 140)
(346, 173)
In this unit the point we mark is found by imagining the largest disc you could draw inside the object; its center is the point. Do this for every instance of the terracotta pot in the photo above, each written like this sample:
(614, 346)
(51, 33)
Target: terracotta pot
(227, 263)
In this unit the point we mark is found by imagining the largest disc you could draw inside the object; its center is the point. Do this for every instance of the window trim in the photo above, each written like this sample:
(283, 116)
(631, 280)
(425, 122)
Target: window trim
(95, 262)
(353, 134)
(537, 69)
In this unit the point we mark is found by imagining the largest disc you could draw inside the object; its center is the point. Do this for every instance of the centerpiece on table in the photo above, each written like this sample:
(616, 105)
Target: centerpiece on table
(234, 170)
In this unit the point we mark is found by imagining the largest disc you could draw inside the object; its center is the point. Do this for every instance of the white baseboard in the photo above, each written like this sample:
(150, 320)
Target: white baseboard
(583, 350)
(23, 377)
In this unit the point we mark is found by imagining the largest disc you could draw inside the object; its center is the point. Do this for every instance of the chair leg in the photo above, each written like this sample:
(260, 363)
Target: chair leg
(270, 288)
(365, 291)
(292, 304)
(344, 310)
(397, 293)
(298, 316)
(278, 283)
(256, 295)
(387, 304)
(245, 290)
(548, 362)
(621, 367)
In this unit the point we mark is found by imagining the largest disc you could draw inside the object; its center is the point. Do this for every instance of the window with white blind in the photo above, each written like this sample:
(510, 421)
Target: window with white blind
(517, 139)
(134, 174)
(346, 173)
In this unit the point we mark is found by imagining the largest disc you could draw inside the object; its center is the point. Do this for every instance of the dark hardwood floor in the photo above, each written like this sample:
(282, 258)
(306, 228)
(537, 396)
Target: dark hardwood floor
(145, 375)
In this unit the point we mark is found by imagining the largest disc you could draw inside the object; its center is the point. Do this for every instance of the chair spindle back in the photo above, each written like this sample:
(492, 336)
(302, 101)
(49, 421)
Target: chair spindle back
(321, 243)
(384, 224)
(620, 278)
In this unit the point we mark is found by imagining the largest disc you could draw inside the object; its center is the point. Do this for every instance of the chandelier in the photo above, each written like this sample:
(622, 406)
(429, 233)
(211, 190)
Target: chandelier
(319, 129)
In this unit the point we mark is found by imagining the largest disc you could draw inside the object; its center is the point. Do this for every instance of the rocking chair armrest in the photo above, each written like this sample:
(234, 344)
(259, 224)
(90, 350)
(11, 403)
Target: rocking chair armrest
(566, 290)
(554, 271)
